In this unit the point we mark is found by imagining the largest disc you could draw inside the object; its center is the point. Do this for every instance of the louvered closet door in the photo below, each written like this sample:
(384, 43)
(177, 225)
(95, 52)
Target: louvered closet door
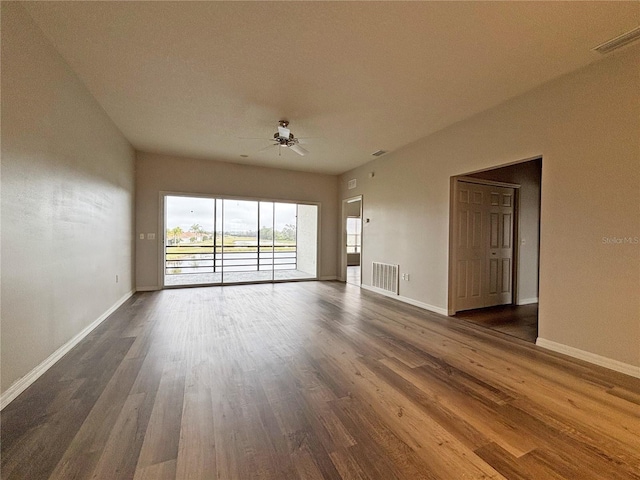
(484, 245)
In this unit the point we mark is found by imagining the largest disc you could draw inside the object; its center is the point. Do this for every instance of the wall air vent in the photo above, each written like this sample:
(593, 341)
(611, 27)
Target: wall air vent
(379, 153)
(385, 277)
(618, 42)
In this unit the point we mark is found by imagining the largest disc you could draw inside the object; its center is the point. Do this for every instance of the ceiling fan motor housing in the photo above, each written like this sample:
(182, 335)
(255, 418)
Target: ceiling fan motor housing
(284, 141)
(284, 138)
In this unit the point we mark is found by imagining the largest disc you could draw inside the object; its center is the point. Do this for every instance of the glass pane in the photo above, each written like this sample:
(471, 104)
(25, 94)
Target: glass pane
(354, 232)
(266, 238)
(213, 241)
(285, 239)
(240, 242)
(189, 256)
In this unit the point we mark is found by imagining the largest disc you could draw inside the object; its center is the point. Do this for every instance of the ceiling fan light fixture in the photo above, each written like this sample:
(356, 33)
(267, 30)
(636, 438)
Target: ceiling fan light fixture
(284, 138)
(284, 132)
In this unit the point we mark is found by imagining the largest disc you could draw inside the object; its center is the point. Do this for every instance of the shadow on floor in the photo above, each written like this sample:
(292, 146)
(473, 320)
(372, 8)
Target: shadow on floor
(519, 321)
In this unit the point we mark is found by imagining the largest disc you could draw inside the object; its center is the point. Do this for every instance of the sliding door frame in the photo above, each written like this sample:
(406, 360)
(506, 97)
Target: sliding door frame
(163, 194)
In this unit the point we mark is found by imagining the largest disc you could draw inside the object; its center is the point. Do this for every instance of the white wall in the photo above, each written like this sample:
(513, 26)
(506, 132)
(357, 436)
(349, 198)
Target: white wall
(156, 173)
(67, 201)
(307, 239)
(586, 126)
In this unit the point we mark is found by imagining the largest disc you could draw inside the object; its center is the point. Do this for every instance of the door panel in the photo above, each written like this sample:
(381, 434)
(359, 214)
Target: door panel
(461, 275)
(493, 276)
(476, 278)
(495, 228)
(471, 231)
(507, 222)
(506, 276)
(484, 240)
(501, 246)
(463, 223)
(477, 239)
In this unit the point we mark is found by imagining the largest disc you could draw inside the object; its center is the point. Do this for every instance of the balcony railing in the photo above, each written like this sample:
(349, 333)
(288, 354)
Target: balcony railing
(194, 259)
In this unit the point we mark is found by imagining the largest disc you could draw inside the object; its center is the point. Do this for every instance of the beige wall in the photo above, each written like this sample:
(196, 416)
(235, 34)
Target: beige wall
(528, 176)
(67, 201)
(156, 173)
(586, 125)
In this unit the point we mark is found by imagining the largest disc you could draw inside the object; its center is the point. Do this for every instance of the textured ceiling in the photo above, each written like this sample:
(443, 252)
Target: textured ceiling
(196, 78)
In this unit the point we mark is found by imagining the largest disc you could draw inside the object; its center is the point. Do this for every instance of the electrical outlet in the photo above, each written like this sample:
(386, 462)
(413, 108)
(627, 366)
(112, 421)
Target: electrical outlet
(142, 236)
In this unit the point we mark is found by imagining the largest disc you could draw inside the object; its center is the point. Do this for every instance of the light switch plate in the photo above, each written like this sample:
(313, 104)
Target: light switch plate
(151, 236)
(142, 236)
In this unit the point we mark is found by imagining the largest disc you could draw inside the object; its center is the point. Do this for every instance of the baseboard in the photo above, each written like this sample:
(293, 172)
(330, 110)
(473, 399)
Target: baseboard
(328, 277)
(410, 301)
(23, 383)
(606, 362)
(147, 289)
(379, 291)
(528, 301)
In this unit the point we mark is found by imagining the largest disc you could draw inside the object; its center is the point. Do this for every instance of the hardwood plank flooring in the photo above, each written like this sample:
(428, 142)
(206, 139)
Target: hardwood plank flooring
(315, 380)
(520, 321)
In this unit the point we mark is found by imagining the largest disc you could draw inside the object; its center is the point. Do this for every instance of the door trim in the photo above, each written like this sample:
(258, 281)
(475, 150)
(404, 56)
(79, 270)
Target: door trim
(343, 237)
(481, 181)
(453, 186)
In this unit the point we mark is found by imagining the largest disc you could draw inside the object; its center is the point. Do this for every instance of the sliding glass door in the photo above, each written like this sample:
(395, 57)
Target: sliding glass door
(219, 241)
(191, 250)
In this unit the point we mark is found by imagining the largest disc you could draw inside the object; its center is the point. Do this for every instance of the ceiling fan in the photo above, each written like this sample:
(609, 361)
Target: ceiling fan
(284, 138)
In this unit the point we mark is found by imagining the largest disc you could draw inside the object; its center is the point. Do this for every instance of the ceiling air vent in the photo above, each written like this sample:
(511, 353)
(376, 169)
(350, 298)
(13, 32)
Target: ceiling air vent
(618, 42)
(379, 153)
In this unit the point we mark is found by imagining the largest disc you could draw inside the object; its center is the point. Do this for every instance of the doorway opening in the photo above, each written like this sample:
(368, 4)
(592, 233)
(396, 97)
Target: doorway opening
(494, 248)
(352, 240)
(216, 241)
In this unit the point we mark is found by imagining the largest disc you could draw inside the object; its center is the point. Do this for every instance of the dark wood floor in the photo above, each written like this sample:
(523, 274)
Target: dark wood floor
(519, 321)
(315, 380)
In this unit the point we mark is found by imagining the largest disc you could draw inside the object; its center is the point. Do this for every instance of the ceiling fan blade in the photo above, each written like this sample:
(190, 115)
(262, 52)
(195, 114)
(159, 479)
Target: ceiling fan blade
(298, 149)
(284, 132)
(267, 147)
